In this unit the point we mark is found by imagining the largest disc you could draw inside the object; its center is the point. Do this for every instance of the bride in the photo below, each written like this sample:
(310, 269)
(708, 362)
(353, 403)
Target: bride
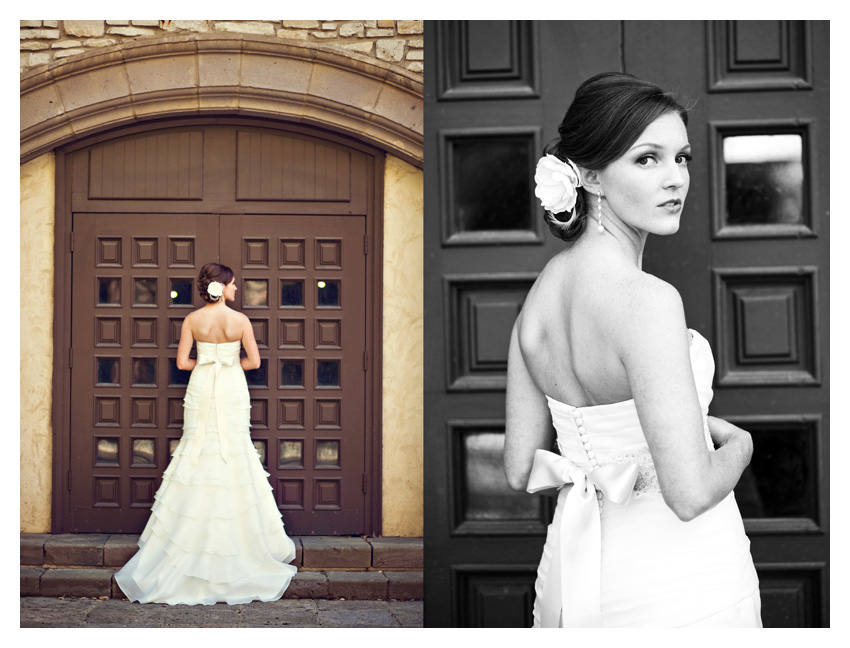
(646, 531)
(215, 532)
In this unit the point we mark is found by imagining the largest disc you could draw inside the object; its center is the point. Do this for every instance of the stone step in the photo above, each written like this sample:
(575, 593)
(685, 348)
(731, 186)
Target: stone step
(83, 565)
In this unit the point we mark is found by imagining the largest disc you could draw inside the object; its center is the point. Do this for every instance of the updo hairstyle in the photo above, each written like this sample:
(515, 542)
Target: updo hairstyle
(607, 115)
(213, 272)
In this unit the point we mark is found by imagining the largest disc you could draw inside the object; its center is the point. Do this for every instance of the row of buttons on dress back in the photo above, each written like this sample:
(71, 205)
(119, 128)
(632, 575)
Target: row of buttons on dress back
(588, 449)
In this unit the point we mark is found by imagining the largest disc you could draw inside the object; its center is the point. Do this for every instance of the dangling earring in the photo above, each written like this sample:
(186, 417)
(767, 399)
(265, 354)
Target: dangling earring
(599, 227)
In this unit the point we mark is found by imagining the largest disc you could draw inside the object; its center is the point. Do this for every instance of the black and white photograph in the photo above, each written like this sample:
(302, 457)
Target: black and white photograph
(627, 323)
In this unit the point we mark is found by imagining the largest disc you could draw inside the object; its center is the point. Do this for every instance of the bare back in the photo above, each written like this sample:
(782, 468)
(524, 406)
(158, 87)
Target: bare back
(216, 324)
(568, 329)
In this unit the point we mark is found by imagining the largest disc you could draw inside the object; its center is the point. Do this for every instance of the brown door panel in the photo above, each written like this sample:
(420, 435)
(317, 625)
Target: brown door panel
(302, 283)
(125, 329)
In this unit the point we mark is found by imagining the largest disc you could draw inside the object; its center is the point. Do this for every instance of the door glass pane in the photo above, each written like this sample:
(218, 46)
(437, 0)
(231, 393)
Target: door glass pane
(106, 452)
(491, 183)
(780, 481)
(292, 292)
(145, 292)
(144, 371)
(258, 377)
(327, 373)
(172, 445)
(291, 454)
(764, 179)
(486, 492)
(292, 373)
(181, 292)
(108, 371)
(256, 292)
(143, 452)
(108, 291)
(327, 454)
(177, 377)
(328, 293)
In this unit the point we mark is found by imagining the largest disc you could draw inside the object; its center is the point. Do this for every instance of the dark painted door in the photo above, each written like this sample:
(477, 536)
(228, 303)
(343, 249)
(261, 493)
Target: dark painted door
(751, 262)
(139, 235)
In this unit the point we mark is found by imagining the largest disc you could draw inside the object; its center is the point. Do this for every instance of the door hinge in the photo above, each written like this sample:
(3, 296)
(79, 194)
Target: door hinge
(69, 480)
(72, 241)
(365, 360)
(71, 358)
(365, 482)
(365, 244)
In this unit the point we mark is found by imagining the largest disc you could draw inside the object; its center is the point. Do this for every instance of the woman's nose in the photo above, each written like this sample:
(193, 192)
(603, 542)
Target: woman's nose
(677, 175)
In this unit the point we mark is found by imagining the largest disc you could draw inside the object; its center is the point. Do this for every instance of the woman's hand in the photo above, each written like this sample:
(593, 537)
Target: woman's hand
(722, 432)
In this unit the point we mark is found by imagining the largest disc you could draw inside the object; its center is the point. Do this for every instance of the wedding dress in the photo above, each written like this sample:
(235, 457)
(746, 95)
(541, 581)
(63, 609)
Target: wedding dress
(615, 554)
(215, 532)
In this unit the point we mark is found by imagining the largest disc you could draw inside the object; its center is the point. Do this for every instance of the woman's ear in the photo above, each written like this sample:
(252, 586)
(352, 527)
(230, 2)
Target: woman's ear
(589, 179)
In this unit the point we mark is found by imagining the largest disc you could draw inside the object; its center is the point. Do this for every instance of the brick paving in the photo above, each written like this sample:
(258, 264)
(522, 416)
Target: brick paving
(42, 612)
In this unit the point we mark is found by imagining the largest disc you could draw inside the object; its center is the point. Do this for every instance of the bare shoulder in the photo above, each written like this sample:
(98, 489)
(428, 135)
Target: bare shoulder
(642, 310)
(242, 318)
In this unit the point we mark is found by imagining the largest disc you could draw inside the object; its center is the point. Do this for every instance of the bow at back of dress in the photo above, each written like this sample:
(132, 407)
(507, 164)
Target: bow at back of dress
(214, 358)
(603, 455)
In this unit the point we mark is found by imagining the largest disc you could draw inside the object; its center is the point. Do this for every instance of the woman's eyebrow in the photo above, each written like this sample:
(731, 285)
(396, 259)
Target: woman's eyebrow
(658, 147)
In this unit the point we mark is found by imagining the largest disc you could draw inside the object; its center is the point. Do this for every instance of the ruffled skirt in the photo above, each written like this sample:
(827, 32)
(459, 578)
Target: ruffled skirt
(215, 533)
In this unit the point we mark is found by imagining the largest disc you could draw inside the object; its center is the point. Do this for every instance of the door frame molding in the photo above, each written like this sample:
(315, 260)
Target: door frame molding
(236, 74)
(62, 304)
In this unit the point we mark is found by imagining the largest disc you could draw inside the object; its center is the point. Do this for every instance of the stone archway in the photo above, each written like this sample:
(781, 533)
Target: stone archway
(222, 74)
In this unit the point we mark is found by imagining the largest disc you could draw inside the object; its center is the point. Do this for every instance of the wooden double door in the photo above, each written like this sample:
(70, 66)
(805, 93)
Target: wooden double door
(751, 261)
(302, 281)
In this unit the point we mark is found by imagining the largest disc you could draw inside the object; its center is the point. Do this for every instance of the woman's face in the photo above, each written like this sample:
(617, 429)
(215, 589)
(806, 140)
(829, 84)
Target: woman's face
(647, 186)
(230, 290)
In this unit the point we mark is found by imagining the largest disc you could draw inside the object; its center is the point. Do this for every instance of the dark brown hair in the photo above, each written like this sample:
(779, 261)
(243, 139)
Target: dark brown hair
(607, 115)
(213, 272)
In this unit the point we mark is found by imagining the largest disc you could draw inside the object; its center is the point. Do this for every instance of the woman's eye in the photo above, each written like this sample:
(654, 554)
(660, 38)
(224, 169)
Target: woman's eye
(645, 160)
(684, 158)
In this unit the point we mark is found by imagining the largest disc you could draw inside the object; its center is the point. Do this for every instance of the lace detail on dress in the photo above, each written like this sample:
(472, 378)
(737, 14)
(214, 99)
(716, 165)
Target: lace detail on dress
(647, 480)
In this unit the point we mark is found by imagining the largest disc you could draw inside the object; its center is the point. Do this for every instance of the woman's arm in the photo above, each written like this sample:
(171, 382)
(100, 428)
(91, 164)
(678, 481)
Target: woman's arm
(729, 438)
(252, 361)
(654, 347)
(184, 362)
(528, 425)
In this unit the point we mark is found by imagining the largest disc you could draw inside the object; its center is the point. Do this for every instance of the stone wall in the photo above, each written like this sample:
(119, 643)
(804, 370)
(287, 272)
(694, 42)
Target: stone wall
(399, 42)
(37, 217)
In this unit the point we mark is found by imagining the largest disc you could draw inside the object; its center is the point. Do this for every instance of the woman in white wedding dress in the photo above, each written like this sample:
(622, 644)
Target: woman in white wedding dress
(215, 532)
(646, 531)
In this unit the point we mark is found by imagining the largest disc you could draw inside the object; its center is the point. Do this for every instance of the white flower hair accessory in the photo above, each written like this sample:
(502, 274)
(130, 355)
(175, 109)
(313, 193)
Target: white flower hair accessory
(557, 184)
(216, 289)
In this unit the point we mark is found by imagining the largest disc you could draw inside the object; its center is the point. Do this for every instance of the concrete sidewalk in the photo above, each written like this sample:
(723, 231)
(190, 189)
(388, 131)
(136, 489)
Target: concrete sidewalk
(42, 612)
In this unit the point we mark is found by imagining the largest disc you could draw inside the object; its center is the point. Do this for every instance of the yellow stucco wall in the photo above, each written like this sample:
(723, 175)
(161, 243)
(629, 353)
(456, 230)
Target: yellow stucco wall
(37, 231)
(403, 423)
(402, 352)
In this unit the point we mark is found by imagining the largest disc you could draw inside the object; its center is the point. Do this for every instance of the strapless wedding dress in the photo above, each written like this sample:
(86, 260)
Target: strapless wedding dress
(615, 554)
(215, 532)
